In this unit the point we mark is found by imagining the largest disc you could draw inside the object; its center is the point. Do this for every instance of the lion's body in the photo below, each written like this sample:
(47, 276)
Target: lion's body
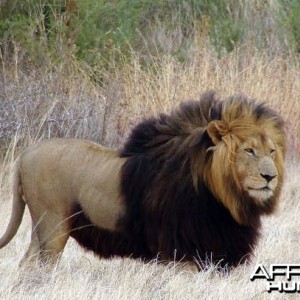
(57, 175)
(88, 176)
(189, 185)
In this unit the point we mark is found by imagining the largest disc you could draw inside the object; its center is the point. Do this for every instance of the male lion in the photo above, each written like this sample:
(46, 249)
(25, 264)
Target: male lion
(189, 185)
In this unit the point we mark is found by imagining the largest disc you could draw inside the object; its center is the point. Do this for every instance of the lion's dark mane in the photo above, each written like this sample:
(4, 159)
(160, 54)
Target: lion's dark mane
(166, 215)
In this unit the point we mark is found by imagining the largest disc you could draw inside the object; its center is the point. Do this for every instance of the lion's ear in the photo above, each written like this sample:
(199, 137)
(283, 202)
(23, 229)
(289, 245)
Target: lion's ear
(216, 130)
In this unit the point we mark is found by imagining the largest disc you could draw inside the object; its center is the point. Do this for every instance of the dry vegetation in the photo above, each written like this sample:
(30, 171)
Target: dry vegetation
(68, 101)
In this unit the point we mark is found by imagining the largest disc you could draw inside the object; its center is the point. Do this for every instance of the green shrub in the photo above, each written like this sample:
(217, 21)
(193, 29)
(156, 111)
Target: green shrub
(290, 13)
(102, 32)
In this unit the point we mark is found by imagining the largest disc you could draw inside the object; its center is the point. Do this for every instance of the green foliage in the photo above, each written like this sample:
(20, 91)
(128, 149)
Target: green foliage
(290, 15)
(225, 31)
(33, 26)
(101, 32)
(108, 28)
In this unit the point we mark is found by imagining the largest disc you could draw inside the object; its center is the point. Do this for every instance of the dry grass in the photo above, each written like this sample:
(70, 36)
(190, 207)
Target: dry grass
(65, 102)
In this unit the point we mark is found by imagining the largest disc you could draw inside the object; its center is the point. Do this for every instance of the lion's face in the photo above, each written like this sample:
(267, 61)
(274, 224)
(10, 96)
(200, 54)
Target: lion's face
(246, 169)
(255, 168)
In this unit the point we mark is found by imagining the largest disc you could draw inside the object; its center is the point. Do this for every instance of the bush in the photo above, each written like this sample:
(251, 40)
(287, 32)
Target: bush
(99, 31)
(291, 21)
(105, 32)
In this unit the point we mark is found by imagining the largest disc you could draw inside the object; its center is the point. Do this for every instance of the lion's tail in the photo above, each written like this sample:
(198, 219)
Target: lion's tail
(17, 210)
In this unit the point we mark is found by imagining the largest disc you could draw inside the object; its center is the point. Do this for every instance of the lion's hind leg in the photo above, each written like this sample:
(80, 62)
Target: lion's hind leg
(48, 239)
(53, 233)
(32, 254)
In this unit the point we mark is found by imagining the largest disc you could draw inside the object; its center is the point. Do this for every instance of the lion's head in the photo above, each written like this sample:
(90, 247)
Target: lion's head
(247, 158)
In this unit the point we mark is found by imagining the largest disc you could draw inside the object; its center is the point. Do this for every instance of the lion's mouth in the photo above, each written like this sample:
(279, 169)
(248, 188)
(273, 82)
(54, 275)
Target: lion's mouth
(265, 188)
(261, 194)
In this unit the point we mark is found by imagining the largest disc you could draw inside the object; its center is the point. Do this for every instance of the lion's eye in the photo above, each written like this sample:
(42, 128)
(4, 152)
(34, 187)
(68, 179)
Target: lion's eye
(272, 151)
(250, 151)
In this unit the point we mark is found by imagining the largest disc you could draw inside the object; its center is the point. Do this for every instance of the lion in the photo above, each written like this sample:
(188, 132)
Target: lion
(191, 185)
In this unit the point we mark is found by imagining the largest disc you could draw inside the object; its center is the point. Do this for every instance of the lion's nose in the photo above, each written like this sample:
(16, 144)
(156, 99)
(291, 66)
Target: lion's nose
(267, 176)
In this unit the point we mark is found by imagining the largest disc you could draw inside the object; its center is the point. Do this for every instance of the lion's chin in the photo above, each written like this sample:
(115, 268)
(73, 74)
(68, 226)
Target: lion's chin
(260, 195)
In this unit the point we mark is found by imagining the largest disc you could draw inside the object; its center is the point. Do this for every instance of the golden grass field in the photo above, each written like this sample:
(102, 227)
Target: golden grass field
(66, 102)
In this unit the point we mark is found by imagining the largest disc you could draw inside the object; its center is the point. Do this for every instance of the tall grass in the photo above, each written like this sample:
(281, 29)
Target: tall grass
(69, 102)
